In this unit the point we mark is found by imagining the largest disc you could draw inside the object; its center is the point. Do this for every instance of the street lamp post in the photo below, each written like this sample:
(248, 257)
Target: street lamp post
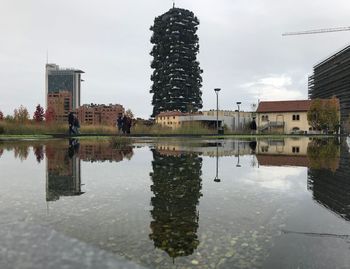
(217, 109)
(239, 123)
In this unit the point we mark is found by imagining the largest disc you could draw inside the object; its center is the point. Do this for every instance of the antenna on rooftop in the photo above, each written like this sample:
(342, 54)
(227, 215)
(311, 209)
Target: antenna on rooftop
(173, 3)
(47, 56)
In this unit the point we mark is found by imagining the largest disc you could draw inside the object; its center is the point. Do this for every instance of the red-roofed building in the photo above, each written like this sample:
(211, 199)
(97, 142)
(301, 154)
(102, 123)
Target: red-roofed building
(283, 116)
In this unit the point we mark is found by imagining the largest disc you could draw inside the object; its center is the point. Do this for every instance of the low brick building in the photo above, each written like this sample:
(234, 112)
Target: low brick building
(99, 114)
(60, 104)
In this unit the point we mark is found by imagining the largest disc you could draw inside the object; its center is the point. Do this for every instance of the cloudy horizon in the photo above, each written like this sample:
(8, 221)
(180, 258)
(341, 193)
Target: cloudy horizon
(242, 50)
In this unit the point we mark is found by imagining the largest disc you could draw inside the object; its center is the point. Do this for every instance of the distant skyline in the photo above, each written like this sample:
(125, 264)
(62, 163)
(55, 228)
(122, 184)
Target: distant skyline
(242, 50)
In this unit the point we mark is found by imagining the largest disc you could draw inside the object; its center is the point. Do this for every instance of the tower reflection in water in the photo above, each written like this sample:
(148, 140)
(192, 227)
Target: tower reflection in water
(177, 188)
(63, 171)
(63, 177)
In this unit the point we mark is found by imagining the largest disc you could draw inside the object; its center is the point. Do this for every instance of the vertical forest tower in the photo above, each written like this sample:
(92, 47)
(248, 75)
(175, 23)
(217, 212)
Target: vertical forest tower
(177, 76)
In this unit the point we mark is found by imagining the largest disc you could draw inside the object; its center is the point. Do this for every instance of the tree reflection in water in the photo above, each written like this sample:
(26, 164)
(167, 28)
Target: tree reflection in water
(177, 188)
(323, 154)
(39, 152)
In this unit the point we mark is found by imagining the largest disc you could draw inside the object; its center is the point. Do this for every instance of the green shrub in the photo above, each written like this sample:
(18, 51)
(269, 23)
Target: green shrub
(120, 142)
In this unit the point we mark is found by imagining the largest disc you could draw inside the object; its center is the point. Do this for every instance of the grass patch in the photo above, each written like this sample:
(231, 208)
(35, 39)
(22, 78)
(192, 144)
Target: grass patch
(31, 128)
(24, 137)
(40, 130)
(120, 142)
(34, 128)
(186, 129)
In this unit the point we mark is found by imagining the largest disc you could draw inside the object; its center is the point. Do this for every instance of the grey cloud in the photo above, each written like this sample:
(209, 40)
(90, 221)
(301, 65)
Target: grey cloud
(240, 43)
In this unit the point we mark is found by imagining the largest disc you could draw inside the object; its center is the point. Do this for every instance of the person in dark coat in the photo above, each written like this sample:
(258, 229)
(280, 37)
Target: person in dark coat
(71, 123)
(253, 126)
(128, 125)
(76, 125)
(125, 124)
(120, 123)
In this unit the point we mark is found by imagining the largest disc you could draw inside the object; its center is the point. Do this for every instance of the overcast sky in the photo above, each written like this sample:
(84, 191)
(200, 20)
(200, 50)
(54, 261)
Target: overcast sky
(241, 48)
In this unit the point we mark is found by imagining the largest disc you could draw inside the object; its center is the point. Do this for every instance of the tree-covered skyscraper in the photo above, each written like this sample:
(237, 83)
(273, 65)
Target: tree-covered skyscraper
(177, 76)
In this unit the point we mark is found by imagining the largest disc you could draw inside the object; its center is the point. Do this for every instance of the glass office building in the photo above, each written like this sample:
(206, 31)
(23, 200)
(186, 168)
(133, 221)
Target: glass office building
(331, 77)
(64, 80)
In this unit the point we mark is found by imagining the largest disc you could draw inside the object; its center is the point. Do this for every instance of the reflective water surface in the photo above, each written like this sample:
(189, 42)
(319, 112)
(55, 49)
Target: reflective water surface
(188, 203)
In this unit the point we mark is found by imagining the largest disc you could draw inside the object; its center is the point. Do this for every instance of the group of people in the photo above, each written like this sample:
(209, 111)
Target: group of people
(124, 124)
(73, 123)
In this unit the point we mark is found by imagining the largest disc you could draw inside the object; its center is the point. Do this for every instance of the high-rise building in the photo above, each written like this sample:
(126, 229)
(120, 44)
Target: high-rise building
(62, 90)
(331, 77)
(177, 76)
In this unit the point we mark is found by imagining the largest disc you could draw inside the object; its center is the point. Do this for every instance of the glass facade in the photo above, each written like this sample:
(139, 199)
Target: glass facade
(57, 82)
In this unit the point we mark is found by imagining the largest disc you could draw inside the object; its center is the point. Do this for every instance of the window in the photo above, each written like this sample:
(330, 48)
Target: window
(174, 118)
(295, 149)
(296, 117)
(265, 118)
(264, 148)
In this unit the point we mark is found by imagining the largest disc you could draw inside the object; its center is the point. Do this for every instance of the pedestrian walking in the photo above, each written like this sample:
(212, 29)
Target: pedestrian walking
(120, 123)
(128, 125)
(76, 125)
(125, 124)
(71, 123)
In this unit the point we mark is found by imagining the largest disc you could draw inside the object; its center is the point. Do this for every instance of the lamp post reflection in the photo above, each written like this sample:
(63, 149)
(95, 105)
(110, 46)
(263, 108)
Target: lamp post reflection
(238, 164)
(216, 179)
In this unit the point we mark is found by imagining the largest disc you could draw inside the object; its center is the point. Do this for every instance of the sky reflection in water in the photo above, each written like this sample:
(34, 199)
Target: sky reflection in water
(188, 203)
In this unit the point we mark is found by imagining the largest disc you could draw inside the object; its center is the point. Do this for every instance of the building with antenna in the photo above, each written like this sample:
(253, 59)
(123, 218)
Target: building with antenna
(331, 77)
(63, 87)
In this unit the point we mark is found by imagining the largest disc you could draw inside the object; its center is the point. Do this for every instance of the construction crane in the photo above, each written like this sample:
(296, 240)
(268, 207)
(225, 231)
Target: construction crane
(318, 31)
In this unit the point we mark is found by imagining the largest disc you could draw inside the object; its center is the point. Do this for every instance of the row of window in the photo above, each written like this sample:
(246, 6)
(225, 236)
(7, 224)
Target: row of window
(266, 117)
(165, 118)
(266, 149)
(170, 122)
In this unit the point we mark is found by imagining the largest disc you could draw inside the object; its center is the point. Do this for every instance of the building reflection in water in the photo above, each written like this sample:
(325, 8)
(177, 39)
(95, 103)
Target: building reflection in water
(328, 166)
(177, 188)
(331, 187)
(63, 177)
(283, 152)
(63, 174)
(63, 165)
